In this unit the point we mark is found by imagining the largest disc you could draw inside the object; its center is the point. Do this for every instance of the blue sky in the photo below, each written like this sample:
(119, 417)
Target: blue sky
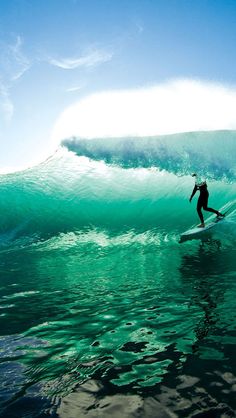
(53, 53)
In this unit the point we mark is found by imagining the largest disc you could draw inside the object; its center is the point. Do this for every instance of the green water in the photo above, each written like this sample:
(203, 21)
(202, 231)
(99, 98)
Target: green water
(144, 315)
(102, 312)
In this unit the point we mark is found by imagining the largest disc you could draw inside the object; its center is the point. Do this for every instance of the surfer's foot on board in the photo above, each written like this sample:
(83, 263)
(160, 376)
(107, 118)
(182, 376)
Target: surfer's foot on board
(220, 215)
(201, 226)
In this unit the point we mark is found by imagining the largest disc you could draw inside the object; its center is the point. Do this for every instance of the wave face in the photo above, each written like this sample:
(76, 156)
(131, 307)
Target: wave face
(101, 308)
(118, 183)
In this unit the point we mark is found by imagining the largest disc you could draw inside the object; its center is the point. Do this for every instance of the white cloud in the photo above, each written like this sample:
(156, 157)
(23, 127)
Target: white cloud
(90, 60)
(73, 89)
(13, 64)
(23, 63)
(174, 106)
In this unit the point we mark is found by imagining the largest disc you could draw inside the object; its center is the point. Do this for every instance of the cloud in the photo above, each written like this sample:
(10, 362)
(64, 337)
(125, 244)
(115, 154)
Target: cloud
(23, 63)
(13, 64)
(73, 89)
(90, 60)
(174, 106)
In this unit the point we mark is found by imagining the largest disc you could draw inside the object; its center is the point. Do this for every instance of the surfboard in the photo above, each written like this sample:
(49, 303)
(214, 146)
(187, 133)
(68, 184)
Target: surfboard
(199, 233)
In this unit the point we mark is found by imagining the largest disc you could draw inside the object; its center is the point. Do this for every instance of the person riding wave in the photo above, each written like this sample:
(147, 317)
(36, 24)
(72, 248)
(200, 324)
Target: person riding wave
(202, 200)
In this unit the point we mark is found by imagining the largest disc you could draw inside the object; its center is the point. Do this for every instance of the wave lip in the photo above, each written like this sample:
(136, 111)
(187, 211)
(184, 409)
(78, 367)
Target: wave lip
(207, 153)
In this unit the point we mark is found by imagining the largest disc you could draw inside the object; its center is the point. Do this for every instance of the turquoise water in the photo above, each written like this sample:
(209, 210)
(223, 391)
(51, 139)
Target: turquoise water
(102, 311)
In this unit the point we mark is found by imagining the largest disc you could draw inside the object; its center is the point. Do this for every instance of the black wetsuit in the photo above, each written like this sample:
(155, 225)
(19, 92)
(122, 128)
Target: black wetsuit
(203, 200)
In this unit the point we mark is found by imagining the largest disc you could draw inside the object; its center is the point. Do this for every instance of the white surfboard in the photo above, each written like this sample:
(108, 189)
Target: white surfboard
(198, 232)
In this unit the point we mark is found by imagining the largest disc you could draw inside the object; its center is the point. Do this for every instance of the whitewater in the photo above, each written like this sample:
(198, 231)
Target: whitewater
(103, 312)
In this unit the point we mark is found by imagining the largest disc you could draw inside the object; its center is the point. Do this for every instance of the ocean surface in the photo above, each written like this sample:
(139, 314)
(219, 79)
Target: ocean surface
(103, 313)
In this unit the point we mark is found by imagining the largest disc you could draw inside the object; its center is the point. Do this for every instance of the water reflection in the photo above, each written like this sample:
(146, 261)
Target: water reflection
(204, 275)
(152, 321)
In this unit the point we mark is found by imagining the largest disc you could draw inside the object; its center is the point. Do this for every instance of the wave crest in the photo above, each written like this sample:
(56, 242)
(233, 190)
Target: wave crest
(208, 153)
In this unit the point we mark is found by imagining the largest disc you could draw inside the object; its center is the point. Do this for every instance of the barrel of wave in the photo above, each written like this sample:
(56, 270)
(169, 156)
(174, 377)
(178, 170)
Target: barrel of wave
(69, 193)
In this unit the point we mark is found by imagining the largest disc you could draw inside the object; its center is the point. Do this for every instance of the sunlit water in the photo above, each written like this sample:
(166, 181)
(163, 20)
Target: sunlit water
(103, 313)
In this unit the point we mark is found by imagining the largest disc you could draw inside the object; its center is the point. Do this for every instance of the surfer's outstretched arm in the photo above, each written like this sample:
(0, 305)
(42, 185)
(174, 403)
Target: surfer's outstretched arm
(193, 193)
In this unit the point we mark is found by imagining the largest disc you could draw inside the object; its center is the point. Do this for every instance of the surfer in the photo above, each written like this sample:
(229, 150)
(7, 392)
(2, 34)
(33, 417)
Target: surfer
(203, 200)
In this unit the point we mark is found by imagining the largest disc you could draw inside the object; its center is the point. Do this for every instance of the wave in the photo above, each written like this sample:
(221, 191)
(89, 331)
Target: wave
(146, 185)
(208, 153)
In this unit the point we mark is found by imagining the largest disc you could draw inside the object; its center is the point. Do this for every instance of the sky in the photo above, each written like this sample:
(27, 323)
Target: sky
(107, 67)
